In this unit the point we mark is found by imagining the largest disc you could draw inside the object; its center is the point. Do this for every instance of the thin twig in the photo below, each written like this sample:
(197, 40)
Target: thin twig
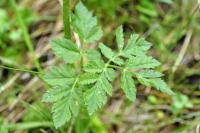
(183, 50)
(9, 83)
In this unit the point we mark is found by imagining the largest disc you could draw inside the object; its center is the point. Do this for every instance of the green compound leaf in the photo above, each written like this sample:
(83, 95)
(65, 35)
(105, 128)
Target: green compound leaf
(128, 86)
(85, 24)
(66, 50)
(96, 77)
(60, 76)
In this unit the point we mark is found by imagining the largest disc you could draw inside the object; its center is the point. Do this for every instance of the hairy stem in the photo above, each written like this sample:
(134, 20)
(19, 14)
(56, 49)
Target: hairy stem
(66, 19)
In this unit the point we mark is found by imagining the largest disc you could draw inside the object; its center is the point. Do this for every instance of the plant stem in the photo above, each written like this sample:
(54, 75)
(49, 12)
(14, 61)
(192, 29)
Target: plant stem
(22, 70)
(27, 38)
(110, 60)
(66, 19)
(30, 125)
(114, 66)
